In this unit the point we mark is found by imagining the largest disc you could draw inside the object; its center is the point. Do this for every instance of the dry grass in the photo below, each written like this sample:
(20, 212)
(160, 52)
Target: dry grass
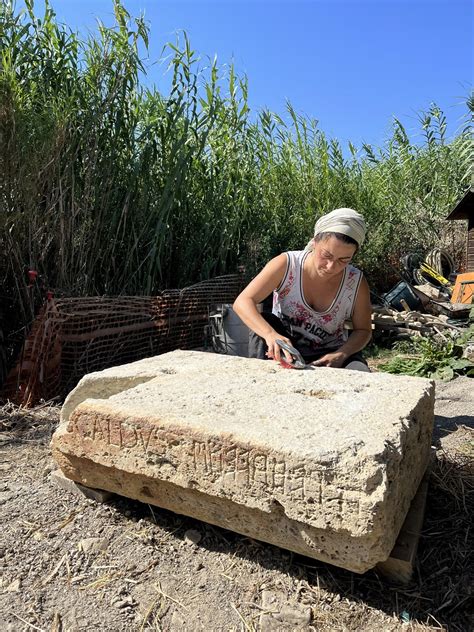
(438, 598)
(442, 587)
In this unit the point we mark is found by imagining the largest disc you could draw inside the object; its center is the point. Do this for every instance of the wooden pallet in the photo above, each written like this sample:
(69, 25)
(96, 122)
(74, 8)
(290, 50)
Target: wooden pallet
(399, 566)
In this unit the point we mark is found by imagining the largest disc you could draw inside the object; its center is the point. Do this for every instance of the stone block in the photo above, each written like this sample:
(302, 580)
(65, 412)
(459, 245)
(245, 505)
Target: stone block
(99, 495)
(324, 462)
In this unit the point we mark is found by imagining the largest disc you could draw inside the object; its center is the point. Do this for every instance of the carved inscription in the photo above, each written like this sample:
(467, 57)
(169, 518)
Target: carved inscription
(123, 435)
(236, 465)
(226, 465)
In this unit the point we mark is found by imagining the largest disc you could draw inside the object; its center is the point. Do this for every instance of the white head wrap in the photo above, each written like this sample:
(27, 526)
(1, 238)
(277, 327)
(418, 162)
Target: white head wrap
(342, 220)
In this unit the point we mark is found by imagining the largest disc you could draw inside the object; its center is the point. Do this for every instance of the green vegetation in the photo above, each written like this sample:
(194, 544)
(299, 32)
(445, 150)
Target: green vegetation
(430, 358)
(439, 358)
(107, 186)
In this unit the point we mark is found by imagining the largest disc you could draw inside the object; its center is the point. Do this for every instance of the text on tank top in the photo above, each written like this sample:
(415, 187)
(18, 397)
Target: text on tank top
(312, 330)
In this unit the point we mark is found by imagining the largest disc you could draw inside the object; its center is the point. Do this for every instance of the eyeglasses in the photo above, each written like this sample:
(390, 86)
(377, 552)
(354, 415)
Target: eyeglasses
(328, 256)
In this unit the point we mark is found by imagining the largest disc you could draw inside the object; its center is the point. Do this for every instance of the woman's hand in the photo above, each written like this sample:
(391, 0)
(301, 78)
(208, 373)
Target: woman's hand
(274, 350)
(335, 359)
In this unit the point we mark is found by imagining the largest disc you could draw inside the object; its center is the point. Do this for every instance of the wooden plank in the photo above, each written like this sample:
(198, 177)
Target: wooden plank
(399, 566)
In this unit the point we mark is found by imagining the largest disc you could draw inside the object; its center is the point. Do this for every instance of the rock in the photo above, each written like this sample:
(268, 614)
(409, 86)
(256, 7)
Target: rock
(275, 606)
(6, 495)
(191, 536)
(124, 604)
(293, 614)
(468, 351)
(47, 470)
(272, 600)
(201, 580)
(98, 495)
(92, 545)
(323, 462)
(14, 586)
(268, 623)
(178, 623)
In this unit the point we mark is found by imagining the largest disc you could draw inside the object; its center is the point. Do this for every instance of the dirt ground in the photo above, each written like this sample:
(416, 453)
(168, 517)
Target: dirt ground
(69, 563)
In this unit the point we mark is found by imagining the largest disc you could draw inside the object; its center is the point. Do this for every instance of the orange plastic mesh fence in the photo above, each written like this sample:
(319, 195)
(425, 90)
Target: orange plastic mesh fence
(75, 336)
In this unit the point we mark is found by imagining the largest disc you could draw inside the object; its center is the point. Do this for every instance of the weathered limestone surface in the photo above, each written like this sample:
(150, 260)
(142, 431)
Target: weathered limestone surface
(324, 462)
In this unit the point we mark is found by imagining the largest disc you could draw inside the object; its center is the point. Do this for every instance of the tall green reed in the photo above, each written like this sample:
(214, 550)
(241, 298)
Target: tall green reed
(108, 186)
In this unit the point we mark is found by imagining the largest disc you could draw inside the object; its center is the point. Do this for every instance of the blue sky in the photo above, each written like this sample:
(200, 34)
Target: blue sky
(351, 64)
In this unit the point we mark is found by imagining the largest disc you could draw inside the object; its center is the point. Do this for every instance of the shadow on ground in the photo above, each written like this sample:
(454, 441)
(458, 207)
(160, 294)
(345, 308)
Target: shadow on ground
(441, 588)
(444, 426)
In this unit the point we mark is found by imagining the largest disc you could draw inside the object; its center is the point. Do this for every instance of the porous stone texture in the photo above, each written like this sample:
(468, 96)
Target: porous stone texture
(324, 462)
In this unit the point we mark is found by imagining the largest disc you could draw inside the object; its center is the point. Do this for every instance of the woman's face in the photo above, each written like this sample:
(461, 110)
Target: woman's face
(331, 256)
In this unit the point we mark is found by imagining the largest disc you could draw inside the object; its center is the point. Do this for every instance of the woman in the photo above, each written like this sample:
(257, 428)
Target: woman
(314, 291)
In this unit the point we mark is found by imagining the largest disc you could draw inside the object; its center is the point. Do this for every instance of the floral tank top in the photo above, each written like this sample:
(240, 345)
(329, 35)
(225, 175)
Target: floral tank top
(311, 330)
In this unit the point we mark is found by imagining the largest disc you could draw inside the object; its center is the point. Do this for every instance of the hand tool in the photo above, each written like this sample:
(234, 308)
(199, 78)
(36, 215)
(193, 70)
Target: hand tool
(298, 363)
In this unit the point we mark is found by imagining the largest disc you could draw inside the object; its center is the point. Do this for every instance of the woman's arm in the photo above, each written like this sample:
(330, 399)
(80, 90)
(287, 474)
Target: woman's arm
(245, 305)
(361, 332)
